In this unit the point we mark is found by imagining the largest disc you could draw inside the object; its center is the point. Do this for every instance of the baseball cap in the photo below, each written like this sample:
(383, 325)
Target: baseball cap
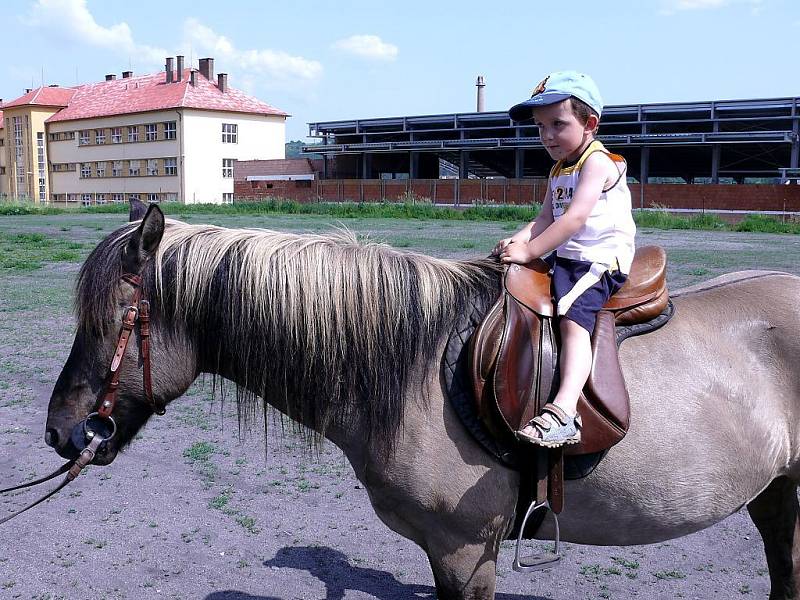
(556, 87)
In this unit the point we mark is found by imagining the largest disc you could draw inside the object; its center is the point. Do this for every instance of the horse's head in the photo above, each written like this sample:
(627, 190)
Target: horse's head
(106, 292)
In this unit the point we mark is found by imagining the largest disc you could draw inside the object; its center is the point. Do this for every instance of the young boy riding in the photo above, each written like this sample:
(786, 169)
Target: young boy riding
(585, 232)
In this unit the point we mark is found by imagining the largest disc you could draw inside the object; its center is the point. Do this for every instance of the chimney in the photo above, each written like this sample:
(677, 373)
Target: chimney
(180, 67)
(127, 74)
(28, 90)
(207, 68)
(480, 84)
(111, 77)
(222, 82)
(169, 67)
(193, 77)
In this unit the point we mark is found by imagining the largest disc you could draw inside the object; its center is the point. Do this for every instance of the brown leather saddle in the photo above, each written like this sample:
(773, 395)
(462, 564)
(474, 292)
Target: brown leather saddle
(513, 364)
(514, 351)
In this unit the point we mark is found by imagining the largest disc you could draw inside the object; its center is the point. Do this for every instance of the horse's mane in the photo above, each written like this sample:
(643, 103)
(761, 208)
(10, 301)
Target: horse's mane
(329, 325)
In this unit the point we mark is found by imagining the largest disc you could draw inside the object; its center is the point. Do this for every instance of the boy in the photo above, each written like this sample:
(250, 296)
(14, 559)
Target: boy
(585, 229)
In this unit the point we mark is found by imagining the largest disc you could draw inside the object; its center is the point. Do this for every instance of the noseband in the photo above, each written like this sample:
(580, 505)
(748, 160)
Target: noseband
(99, 427)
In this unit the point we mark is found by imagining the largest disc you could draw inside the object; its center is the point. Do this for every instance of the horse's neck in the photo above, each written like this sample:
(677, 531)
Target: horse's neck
(355, 399)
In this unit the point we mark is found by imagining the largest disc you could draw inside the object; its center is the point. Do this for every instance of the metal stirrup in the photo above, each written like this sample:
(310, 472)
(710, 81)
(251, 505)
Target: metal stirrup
(536, 562)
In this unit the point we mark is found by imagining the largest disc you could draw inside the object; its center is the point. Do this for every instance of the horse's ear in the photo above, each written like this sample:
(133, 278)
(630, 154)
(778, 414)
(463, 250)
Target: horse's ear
(137, 211)
(144, 241)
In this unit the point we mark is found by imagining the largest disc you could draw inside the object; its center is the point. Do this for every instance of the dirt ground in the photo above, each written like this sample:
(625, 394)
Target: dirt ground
(195, 510)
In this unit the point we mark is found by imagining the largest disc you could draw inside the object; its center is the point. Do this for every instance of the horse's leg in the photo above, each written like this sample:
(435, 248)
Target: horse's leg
(776, 514)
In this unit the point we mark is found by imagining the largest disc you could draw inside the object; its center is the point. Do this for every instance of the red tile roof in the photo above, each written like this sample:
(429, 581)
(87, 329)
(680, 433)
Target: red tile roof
(44, 96)
(151, 92)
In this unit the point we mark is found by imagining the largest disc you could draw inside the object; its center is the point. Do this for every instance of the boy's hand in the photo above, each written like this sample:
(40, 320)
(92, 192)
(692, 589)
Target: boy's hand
(501, 245)
(516, 252)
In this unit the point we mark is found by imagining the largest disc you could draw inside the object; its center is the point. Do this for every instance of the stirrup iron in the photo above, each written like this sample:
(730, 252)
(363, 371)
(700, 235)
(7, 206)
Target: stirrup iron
(536, 562)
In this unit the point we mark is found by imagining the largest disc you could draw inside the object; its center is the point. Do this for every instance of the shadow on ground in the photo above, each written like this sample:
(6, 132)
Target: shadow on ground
(333, 569)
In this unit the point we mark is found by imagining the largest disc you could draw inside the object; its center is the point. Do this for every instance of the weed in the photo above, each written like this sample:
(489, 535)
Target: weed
(200, 451)
(669, 575)
(744, 589)
(249, 523)
(220, 501)
(95, 543)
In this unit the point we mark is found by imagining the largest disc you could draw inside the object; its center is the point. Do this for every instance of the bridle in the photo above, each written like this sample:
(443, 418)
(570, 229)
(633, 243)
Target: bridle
(99, 427)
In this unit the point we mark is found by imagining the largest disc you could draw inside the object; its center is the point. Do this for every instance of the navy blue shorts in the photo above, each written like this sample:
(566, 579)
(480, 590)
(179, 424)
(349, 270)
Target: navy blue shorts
(580, 289)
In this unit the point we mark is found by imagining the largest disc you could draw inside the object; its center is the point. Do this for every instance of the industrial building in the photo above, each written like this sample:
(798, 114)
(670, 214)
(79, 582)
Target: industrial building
(715, 141)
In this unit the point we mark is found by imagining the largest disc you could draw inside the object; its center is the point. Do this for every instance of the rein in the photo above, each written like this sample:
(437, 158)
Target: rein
(138, 310)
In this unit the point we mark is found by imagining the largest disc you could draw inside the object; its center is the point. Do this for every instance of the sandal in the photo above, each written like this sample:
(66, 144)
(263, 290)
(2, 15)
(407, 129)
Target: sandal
(542, 432)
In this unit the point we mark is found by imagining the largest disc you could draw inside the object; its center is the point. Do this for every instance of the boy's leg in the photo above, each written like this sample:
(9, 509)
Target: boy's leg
(575, 363)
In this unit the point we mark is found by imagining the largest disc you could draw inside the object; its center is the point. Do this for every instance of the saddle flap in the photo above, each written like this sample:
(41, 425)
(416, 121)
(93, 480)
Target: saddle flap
(604, 405)
(484, 346)
(517, 372)
(530, 285)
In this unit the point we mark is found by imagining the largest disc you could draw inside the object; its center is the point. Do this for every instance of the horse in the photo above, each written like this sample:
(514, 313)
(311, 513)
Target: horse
(346, 337)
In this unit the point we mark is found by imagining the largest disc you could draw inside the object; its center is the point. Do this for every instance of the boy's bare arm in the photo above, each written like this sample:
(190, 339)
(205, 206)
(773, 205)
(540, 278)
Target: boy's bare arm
(590, 185)
(531, 230)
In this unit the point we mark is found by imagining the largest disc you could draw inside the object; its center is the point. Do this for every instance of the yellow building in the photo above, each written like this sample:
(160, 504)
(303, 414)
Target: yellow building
(25, 143)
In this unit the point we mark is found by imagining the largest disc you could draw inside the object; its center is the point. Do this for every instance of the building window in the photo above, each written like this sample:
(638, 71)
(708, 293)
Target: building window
(230, 133)
(152, 198)
(170, 166)
(133, 133)
(86, 170)
(86, 200)
(170, 197)
(150, 132)
(152, 166)
(116, 135)
(101, 199)
(133, 168)
(101, 169)
(72, 197)
(118, 198)
(227, 167)
(133, 197)
(42, 167)
(170, 130)
(99, 136)
(116, 169)
(227, 198)
(83, 140)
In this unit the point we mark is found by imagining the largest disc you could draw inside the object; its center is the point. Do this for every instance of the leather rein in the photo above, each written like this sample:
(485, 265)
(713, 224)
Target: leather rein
(94, 428)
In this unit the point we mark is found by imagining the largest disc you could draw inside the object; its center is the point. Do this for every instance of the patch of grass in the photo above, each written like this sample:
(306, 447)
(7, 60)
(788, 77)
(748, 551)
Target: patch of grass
(249, 523)
(200, 451)
(661, 219)
(669, 575)
(30, 251)
(767, 224)
(220, 501)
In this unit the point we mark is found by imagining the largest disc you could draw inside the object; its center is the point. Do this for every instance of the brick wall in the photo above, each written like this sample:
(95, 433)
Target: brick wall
(518, 191)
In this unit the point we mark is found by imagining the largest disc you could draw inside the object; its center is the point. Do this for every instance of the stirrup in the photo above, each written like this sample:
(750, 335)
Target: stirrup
(536, 562)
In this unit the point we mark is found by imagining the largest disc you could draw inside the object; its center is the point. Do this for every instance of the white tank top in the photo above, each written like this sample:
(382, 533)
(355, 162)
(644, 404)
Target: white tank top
(607, 237)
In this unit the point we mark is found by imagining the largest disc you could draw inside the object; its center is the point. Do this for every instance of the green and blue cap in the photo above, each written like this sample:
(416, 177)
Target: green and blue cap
(556, 87)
